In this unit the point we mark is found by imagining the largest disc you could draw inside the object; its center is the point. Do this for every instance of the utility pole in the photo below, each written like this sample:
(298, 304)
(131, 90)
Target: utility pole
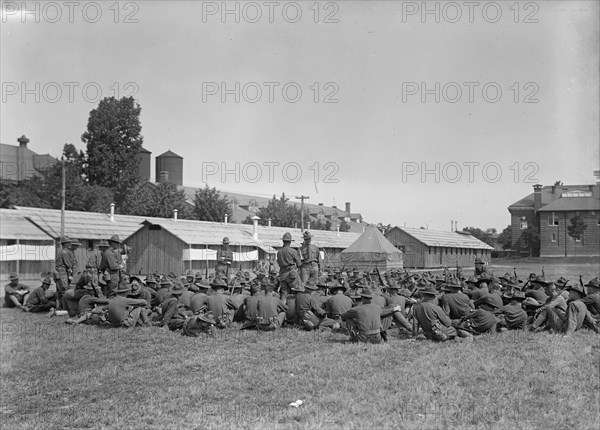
(63, 198)
(302, 198)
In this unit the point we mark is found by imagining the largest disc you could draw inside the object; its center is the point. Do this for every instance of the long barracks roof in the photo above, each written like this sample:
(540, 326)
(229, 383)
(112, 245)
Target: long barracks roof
(13, 226)
(445, 239)
(96, 226)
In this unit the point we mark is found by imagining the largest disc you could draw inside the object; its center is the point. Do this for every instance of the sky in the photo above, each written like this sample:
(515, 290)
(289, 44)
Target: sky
(418, 113)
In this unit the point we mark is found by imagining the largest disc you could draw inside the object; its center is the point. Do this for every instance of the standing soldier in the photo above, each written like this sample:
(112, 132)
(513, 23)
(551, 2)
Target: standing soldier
(64, 268)
(224, 259)
(112, 263)
(74, 265)
(288, 261)
(92, 266)
(311, 259)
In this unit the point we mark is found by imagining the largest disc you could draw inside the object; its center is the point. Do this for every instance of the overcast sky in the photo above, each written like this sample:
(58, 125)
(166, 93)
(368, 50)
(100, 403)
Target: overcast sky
(517, 101)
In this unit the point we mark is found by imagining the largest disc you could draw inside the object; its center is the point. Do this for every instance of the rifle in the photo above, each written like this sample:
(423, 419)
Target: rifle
(543, 274)
(515, 272)
(383, 283)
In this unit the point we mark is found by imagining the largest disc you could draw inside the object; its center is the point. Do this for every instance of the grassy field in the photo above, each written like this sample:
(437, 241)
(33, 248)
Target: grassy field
(59, 376)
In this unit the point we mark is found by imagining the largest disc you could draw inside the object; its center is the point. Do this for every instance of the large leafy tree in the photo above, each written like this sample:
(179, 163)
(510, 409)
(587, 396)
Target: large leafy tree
(505, 238)
(280, 213)
(484, 236)
(157, 200)
(209, 205)
(114, 140)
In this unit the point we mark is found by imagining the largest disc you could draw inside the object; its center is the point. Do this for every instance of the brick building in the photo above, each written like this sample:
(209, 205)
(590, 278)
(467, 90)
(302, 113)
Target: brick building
(549, 211)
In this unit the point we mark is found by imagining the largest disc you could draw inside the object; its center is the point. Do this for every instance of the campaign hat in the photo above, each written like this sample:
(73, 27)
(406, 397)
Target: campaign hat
(177, 289)
(594, 283)
(429, 290)
(14, 276)
(218, 282)
(114, 238)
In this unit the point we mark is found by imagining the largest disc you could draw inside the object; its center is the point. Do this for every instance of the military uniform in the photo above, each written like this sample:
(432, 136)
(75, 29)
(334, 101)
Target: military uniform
(270, 312)
(112, 263)
(512, 316)
(224, 259)
(364, 321)
(311, 259)
(125, 312)
(220, 305)
(433, 320)
(288, 261)
(64, 268)
(309, 312)
(17, 291)
(37, 300)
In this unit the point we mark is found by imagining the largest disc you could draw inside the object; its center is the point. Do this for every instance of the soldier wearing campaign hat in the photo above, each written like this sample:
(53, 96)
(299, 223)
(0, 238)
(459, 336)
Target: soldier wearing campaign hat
(224, 259)
(38, 300)
(112, 263)
(311, 259)
(288, 261)
(64, 269)
(592, 299)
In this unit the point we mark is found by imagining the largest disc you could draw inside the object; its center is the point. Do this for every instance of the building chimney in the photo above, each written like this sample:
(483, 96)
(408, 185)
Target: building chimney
(163, 176)
(320, 204)
(226, 216)
(308, 225)
(537, 196)
(175, 215)
(112, 212)
(23, 141)
(348, 209)
(269, 222)
(334, 207)
(338, 230)
(451, 225)
(455, 225)
(255, 227)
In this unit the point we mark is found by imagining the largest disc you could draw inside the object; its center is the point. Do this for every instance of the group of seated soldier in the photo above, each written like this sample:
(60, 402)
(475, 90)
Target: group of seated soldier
(364, 305)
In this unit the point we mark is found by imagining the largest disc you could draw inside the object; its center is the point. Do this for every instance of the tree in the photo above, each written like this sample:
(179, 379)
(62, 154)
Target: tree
(344, 226)
(114, 140)
(29, 192)
(157, 200)
(320, 225)
(281, 213)
(505, 238)
(209, 205)
(530, 239)
(484, 236)
(576, 227)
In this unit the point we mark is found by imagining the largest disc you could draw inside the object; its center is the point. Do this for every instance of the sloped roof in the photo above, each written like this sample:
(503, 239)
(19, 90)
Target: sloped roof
(95, 226)
(549, 194)
(82, 225)
(445, 239)
(169, 153)
(372, 240)
(204, 232)
(572, 204)
(13, 226)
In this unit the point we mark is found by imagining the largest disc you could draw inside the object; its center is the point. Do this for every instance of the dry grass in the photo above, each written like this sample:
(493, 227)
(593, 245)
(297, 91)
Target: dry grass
(58, 376)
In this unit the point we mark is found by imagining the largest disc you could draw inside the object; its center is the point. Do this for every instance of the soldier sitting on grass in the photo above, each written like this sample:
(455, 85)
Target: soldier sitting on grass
(38, 300)
(16, 294)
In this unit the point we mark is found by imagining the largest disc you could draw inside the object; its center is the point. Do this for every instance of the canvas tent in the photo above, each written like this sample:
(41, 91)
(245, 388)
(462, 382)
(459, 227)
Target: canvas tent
(371, 250)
